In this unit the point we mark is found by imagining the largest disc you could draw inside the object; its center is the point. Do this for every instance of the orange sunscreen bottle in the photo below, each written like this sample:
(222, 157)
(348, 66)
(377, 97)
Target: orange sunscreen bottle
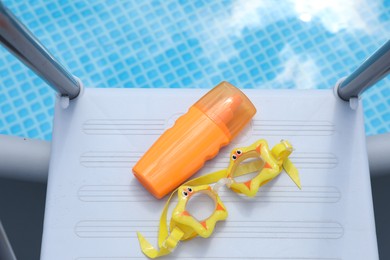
(196, 136)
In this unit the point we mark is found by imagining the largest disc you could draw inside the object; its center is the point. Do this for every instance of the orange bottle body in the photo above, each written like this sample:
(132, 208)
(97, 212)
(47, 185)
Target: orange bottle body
(180, 150)
(195, 137)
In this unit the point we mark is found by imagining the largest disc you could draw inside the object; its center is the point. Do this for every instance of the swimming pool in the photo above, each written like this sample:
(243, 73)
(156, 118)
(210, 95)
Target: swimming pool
(297, 44)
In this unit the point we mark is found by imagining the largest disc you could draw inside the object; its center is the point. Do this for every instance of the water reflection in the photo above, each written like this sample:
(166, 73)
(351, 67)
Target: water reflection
(326, 26)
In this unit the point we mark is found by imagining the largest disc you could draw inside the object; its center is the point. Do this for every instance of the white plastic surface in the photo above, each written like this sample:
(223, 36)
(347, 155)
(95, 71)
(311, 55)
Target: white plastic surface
(95, 206)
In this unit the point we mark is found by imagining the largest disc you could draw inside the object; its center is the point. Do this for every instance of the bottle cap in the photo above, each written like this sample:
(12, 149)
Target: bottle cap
(228, 107)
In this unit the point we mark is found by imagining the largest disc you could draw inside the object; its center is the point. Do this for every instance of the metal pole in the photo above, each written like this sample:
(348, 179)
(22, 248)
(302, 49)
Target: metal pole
(22, 43)
(24, 159)
(371, 71)
(378, 150)
(6, 252)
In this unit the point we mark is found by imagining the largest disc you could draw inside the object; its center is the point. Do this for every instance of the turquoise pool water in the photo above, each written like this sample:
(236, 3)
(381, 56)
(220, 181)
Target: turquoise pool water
(297, 44)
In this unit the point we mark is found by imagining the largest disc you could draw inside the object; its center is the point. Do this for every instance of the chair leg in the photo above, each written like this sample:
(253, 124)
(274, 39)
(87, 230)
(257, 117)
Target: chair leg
(6, 252)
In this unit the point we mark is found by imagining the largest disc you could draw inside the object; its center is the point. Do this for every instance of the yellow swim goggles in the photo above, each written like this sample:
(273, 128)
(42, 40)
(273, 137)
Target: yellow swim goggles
(256, 158)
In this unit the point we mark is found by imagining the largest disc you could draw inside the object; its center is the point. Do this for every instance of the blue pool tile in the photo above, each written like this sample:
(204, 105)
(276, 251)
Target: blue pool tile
(178, 44)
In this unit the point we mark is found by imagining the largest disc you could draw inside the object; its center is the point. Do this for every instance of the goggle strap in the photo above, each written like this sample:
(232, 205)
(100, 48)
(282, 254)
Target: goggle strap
(208, 178)
(292, 171)
(163, 227)
(214, 177)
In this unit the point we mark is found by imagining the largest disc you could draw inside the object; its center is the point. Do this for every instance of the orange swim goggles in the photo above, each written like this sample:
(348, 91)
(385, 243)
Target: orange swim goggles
(255, 159)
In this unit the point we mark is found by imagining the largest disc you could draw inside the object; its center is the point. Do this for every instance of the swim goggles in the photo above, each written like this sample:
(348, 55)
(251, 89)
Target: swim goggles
(256, 158)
